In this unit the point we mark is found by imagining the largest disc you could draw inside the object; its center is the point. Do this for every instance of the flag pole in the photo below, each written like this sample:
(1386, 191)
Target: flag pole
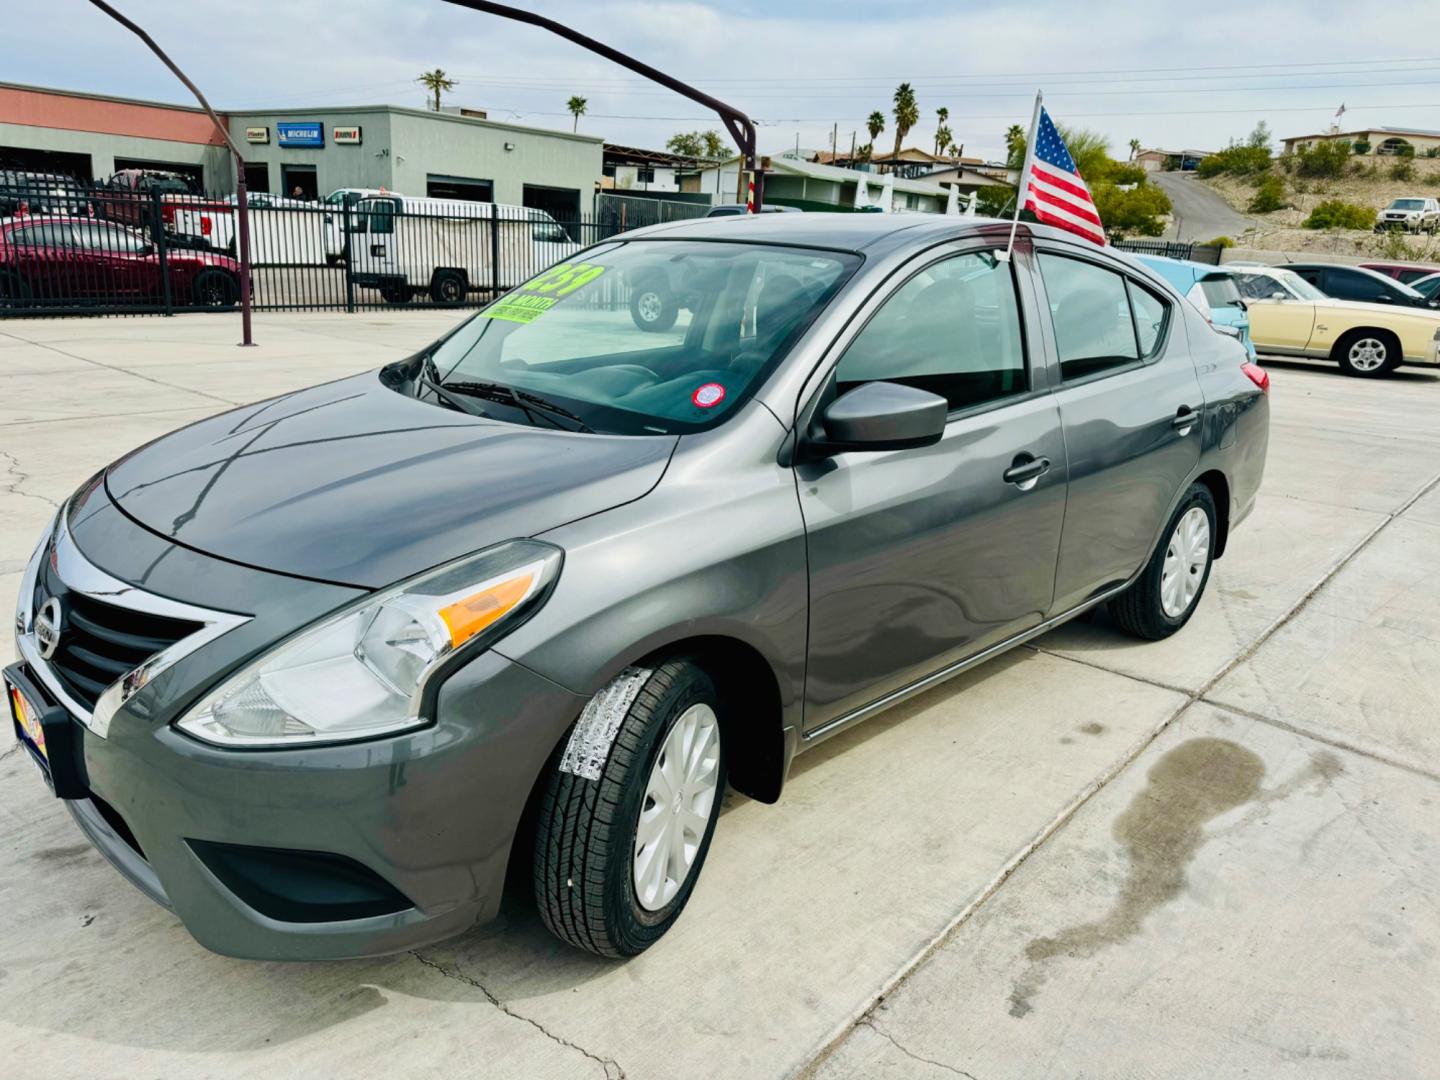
(1024, 178)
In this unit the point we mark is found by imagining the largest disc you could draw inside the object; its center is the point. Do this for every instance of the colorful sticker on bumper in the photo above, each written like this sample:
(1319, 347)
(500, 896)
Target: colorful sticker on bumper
(538, 295)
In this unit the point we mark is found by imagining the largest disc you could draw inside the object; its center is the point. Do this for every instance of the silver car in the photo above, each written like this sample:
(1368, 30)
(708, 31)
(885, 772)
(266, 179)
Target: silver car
(314, 673)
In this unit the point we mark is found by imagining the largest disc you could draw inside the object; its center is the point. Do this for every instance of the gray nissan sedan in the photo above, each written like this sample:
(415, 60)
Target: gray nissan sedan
(318, 673)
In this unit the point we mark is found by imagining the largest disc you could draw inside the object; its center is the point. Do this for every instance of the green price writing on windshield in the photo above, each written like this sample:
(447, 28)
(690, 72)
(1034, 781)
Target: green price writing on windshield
(540, 294)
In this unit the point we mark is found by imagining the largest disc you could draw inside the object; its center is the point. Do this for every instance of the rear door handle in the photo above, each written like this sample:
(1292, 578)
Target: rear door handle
(1025, 471)
(1185, 419)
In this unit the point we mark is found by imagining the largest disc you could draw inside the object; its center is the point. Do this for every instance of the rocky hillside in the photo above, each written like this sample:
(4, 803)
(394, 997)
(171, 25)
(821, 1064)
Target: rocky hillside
(1366, 181)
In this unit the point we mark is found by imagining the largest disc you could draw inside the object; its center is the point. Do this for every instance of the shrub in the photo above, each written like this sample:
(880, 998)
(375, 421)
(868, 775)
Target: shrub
(1404, 169)
(996, 201)
(1269, 196)
(1220, 242)
(1325, 159)
(1361, 146)
(1395, 247)
(1126, 174)
(1127, 213)
(1366, 169)
(1338, 214)
(1433, 151)
(1236, 160)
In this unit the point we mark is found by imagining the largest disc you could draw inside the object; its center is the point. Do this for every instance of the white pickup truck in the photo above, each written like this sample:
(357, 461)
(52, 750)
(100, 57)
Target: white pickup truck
(449, 248)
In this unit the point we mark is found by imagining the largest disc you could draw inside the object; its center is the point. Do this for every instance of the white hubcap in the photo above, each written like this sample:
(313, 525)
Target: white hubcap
(1186, 557)
(676, 811)
(650, 306)
(1367, 354)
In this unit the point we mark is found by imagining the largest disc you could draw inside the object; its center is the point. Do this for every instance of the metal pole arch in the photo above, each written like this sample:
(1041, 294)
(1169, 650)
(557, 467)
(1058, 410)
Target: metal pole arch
(740, 126)
(242, 200)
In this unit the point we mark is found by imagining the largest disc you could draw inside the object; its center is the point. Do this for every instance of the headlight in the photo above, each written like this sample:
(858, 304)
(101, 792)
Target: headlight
(363, 671)
(25, 602)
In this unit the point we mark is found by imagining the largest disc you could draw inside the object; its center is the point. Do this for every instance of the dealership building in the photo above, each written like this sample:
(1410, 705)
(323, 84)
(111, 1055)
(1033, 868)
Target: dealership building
(451, 154)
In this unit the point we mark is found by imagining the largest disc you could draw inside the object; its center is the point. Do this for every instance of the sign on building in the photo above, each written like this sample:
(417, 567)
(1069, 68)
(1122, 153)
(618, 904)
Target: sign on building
(347, 135)
(257, 134)
(302, 134)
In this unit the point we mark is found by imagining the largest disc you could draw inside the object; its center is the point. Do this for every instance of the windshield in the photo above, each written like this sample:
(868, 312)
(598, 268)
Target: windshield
(1408, 204)
(646, 337)
(1407, 291)
(1427, 286)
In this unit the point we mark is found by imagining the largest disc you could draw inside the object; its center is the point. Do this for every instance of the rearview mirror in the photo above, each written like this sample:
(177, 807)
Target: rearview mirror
(883, 416)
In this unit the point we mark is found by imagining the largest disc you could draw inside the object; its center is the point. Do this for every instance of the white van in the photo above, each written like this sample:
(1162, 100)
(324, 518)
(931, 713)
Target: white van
(449, 247)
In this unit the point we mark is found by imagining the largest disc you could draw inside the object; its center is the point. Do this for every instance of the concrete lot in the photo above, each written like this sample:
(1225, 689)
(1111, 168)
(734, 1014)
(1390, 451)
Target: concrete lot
(1214, 856)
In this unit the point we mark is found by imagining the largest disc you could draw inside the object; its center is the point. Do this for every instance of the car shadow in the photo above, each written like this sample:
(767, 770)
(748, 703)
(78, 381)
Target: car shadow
(1404, 374)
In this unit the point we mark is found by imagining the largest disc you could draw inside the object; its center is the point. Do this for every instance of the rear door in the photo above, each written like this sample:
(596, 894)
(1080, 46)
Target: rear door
(46, 258)
(1130, 408)
(919, 558)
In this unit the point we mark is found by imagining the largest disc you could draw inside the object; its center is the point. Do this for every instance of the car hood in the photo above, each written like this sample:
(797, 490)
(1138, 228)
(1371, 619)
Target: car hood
(1383, 309)
(354, 483)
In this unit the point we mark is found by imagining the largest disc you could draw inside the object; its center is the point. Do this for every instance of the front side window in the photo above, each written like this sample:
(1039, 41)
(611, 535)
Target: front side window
(645, 337)
(953, 329)
(1090, 311)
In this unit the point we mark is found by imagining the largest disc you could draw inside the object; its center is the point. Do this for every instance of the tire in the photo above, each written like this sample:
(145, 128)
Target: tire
(395, 292)
(653, 308)
(1367, 354)
(586, 858)
(448, 287)
(215, 289)
(1152, 608)
(15, 292)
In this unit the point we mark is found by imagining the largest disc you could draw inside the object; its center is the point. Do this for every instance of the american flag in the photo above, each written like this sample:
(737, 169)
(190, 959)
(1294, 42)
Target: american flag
(1052, 185)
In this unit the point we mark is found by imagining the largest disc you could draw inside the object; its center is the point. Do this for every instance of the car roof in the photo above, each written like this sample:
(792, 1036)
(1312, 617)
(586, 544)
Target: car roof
(846, 232)
(1341, 266)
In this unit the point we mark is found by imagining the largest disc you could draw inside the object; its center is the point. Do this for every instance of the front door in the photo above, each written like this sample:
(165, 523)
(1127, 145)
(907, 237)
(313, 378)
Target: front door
(919, 558)
(1131, 409)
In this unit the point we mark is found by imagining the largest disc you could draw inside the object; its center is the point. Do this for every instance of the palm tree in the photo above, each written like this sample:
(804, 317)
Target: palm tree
(875, 124)
(942, 140)
(944, 115)
(1134, 148)
(907, 115)
(576, 105)
(437, 82)
(1014, 146)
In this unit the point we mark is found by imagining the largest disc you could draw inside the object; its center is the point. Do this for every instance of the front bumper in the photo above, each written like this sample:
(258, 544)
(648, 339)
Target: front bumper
(424, 819)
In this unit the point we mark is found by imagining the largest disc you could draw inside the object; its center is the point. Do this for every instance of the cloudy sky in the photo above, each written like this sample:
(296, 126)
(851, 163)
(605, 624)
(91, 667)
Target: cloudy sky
(1170, 74)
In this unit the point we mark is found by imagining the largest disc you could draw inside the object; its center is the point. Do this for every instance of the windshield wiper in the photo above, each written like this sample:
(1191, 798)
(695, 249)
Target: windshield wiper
(530, 404)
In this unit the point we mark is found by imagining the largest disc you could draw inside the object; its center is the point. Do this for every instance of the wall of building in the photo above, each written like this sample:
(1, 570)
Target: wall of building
(368, 165)
(102, 150)
(627, 178)
(437, 143)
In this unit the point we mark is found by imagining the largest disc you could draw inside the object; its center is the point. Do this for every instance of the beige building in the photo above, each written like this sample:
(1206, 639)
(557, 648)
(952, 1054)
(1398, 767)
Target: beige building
(1383, 140)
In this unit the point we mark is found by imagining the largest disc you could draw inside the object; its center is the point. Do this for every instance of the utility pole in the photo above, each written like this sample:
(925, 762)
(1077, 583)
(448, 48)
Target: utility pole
(740, 126)
(242, 214)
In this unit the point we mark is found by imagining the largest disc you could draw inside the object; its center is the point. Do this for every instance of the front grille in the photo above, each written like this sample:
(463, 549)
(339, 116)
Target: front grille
(100, 642)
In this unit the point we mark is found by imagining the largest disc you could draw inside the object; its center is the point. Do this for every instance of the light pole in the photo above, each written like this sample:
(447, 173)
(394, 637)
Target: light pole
(241, 197)
(740, 126)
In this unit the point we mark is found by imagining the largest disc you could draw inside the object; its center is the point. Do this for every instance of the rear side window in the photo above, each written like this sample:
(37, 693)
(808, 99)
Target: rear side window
(953, 329)
(1150, 314)
(1090, 310)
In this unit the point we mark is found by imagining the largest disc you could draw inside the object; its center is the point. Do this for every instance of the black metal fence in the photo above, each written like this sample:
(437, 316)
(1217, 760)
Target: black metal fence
(70, 249)
(1171, 249)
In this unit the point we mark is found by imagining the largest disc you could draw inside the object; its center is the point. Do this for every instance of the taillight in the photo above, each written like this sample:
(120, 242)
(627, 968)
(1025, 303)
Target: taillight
(205, 225)
(167, 214)
(1258, 375)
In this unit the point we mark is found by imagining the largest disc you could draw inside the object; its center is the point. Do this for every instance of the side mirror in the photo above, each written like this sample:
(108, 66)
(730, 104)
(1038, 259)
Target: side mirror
(883, 416)
(1277, 296)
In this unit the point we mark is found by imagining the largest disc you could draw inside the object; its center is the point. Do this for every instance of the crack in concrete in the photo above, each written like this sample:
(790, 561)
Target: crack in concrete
(9, 752)
(612, 1068)
(12, 469)
(870, 1023)
(127, 371)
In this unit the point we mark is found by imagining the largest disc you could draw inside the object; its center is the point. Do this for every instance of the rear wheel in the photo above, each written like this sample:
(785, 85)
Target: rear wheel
(15, 292)
(1168, 590)
(216, 289)
(616, 858)
(448, 287)
(1367, 353)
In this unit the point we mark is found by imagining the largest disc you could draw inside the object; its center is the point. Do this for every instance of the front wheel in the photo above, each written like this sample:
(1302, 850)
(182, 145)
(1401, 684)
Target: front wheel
(617, 856)
(395, 292)
(1367, 354)
(1165, 595)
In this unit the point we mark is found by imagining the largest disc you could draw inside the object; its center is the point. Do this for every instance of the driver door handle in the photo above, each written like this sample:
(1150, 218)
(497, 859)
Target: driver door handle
(1025, 471)
(1185, 419)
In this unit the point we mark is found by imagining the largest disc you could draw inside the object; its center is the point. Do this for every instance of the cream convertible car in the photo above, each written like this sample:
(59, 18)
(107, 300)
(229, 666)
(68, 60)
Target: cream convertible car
(1289, 316)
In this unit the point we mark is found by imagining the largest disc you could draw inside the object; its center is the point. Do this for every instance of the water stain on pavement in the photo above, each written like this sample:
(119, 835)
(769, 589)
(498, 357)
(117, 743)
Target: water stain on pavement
(1161, 831)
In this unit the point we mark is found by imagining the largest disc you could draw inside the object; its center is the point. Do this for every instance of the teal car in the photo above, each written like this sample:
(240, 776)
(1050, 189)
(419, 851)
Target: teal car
(1212, 289)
